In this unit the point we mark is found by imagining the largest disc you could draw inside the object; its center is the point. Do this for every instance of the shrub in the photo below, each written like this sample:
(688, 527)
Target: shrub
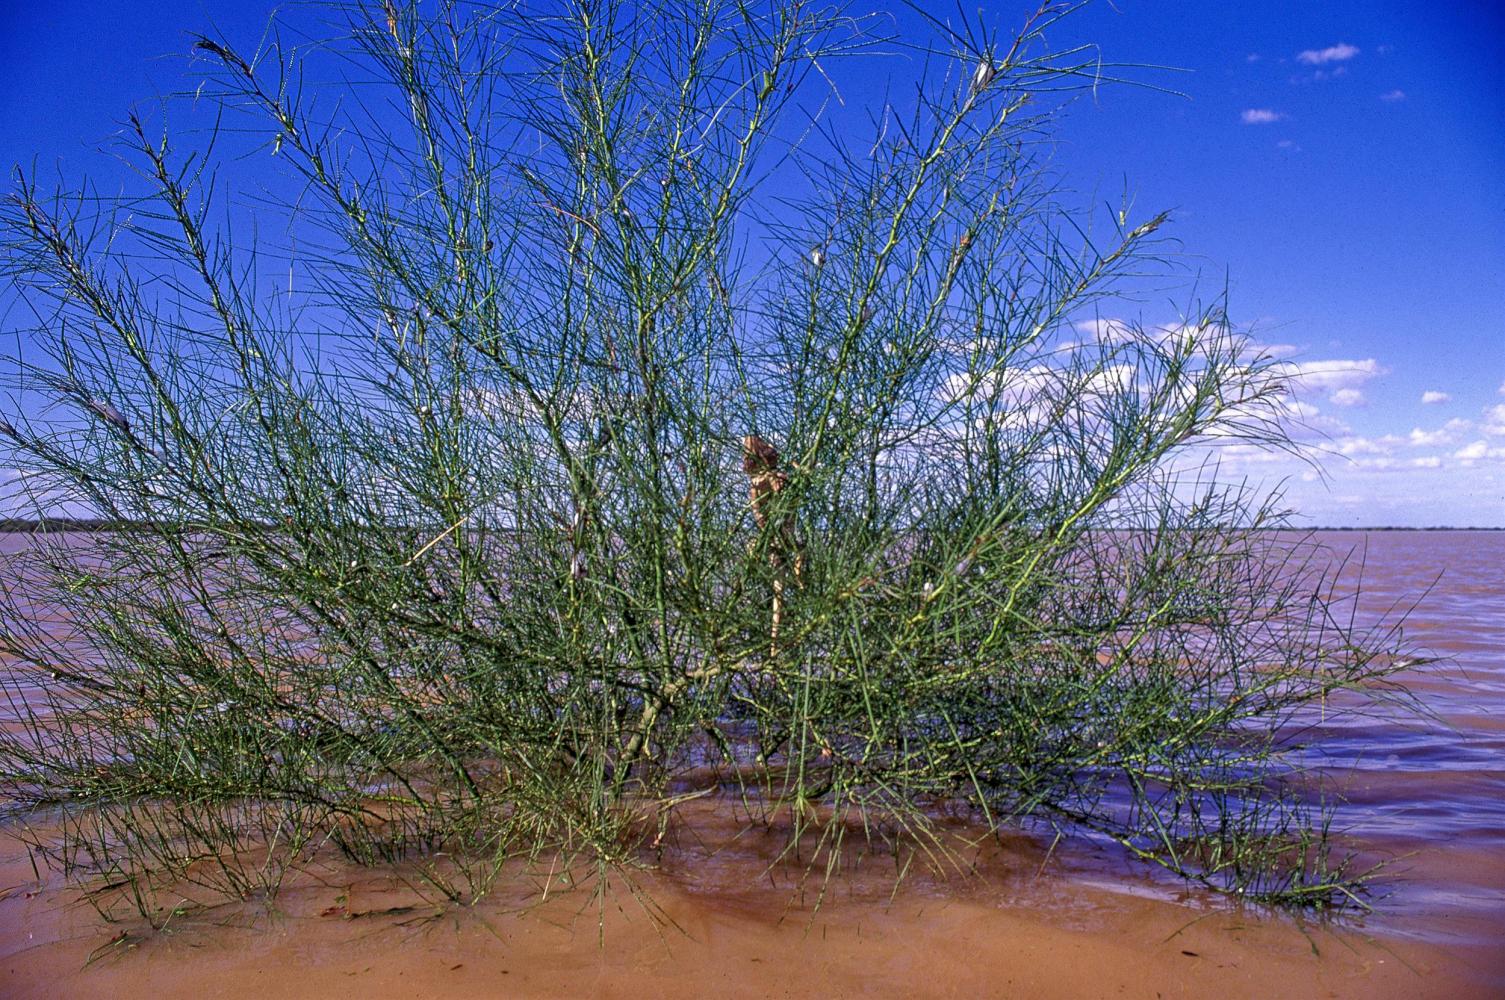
(629, 437)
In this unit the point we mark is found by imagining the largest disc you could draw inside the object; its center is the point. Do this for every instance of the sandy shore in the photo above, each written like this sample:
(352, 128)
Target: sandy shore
(719, 929)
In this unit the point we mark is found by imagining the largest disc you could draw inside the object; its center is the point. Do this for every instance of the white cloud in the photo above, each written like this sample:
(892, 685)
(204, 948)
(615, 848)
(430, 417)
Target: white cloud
(1432, 397)
(1111, 380)
(1446, 434)
(1255, 349)
(1352, 446)
(1393, 95)
(1251, 454)
(1026, 394)
(1494, 420)
(1296, 409)
(1301, 419)
(1501, 389)
(1388, 464)
(1118, 331)
(1472, 452)
(1478, 451)
(1260, 116)
(1333, 53)
(1332, 375)
(1347, 397)
(1107, 331)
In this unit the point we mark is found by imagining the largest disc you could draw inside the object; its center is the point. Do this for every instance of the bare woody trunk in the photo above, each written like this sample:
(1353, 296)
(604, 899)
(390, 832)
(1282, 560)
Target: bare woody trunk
(760, 460)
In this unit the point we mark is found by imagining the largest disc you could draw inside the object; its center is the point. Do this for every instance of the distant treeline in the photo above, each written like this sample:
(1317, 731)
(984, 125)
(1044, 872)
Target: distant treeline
(13, 524)
(57, 524)
(1397, 527)
(10, 525)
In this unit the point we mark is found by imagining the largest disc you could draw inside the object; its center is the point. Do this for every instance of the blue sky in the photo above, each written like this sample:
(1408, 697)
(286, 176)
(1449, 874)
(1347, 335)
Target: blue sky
(1344, 164)
(1341, 165)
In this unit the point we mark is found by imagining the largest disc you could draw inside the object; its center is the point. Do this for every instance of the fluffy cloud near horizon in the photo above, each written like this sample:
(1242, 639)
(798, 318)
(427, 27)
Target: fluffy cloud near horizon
(1389, 452)
(1347, 397)
(1333, 53)
(1333, 374)
(1342, 379)
(1479, 451)
(1258, 348)
(1444, 471)
(1494, 420)
(1432, 474)
(1260, 116)
(1393, 464)
(1446, 434)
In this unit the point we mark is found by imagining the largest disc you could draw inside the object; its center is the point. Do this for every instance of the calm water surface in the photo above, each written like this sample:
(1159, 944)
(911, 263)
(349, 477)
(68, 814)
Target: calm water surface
(1431, 793)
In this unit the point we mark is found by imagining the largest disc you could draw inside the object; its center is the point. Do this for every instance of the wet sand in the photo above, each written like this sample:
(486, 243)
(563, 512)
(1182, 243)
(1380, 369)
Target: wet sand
(1106, 945)
(711, 919)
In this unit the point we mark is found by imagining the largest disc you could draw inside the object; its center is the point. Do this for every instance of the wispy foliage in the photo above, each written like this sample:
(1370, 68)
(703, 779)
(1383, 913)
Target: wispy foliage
(631, 437)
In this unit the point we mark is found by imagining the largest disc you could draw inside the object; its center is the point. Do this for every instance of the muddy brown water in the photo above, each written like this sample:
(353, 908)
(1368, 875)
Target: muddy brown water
(1078, 921)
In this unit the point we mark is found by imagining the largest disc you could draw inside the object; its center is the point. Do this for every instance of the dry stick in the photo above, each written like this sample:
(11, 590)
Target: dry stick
(760, 460)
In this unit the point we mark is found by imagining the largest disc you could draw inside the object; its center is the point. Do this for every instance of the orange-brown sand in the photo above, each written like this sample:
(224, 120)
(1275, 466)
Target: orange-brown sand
(719, 924)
